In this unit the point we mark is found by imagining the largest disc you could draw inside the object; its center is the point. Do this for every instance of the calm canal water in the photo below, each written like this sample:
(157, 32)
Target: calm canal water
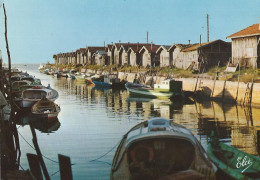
(93, 121)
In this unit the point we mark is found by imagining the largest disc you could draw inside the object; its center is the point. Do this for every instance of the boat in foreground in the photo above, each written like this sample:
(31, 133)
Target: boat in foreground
(160, 149)
(168, 89)
(45, 106)
(34, 94)
(232, 162)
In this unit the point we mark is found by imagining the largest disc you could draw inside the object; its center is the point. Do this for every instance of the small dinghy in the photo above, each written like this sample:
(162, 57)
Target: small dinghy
(45, 106)
(160, 149)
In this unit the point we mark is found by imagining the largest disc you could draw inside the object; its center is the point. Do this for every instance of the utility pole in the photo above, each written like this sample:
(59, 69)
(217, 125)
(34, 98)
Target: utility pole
(207, 28)
(147, 37)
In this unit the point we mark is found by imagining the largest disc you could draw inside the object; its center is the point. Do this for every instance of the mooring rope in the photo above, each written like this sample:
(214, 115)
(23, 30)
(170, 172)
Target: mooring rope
(105, 154)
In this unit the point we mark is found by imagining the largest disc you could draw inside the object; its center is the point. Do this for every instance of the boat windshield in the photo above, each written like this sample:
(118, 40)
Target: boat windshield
(34, 94)
(154, 158)
(28, 79)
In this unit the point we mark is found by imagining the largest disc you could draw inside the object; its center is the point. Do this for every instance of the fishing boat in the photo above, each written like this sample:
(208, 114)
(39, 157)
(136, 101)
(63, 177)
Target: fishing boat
(233, 162)
(16, 85)
(81, 78)
(32, 79)
(34, 94)
(99, 80)
(45, 106)
(56, 73)
(47, 71)
(71, 74)
(160, 149)
(113, 80)
(24, 87)
(168, 88)
(41, 67)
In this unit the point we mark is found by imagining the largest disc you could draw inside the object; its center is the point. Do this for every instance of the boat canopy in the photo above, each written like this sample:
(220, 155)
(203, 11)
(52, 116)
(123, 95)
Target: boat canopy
(156, 128)
(36, 93)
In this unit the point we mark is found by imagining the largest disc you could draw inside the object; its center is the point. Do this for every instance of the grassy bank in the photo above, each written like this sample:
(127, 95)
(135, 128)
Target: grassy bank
(244, 75)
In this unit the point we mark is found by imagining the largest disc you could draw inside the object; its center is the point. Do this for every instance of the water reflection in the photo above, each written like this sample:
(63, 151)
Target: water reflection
(40, 122)
(94, 120)
(238, 125)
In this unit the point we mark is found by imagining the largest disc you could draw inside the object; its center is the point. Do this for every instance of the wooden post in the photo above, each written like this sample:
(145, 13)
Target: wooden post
(238, 80)
(212, 93)
(34, 166)
(35, 143)
(65, 167)
(223, 92)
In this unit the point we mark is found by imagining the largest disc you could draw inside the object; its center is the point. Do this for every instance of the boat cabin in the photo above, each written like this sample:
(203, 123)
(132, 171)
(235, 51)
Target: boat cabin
(28, 78)
(111, 78)
(17, 84)
(37, 93)
(158, 148)
(169, 85)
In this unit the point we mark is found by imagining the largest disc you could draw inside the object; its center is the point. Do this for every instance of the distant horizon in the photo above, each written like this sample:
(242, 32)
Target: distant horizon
(37, 30)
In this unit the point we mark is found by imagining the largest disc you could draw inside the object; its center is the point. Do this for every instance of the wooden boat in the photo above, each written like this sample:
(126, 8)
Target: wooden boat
(71, 74)
(33, 95)
(40, 67)
(45, 106)
(233, 162)
(24, 87)
(32, 79)
(47, 71)
(81, 78)
(57, 74)
(114, 81)
(168, 89)
(160, 149)
(107, 80)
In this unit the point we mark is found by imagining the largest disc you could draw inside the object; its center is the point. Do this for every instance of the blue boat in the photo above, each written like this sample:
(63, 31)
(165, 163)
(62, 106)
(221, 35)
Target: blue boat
(101, 83)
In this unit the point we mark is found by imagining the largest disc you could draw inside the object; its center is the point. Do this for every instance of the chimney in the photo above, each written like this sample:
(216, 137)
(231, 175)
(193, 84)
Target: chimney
(259, 22)
(151, 45)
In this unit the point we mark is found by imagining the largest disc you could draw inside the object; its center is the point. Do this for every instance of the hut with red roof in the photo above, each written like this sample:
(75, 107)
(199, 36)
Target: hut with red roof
(246, 46)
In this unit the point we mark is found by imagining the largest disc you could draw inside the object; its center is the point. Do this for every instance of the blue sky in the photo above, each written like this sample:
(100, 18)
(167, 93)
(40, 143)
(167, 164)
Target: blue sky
(37, 29)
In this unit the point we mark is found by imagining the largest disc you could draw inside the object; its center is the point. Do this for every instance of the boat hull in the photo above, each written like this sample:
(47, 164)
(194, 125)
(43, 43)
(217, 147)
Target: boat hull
(227, 158)
(143, 91)
(99, 83)
(27, 103)
(160, 149)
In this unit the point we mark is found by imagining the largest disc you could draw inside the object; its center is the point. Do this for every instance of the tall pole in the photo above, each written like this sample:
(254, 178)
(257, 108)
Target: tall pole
(147, 37)
(207, 28)
(9, 58)
(2, 73)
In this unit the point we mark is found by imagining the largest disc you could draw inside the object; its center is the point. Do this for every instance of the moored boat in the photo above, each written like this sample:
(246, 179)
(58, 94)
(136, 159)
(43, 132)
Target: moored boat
(71, 74)
(34, 94)
(160, 149)
(81, 78)
(45, 106)
(16, 85)
(168, 89)
(232, 162)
